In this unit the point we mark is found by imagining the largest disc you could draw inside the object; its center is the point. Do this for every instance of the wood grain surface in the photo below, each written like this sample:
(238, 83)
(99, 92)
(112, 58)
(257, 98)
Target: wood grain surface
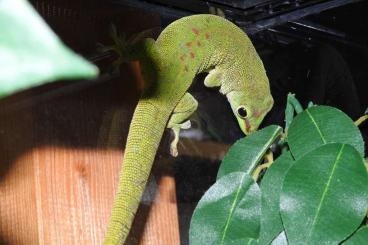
(60, 153)
(59, 170)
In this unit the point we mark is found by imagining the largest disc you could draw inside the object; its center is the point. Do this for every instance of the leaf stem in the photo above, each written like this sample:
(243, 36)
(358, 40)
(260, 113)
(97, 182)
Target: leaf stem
(292, 105)
(361, 120)
(269, 161)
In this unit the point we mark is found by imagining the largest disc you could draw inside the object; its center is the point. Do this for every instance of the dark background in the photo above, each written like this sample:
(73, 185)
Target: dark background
(306, 46)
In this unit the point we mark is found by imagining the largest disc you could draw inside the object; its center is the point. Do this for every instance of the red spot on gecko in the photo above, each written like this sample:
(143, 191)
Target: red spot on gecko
(188, 44)
(192, 55)
(247, 125)
(207, 35)
(199, 43)
(195, 31)
(256, 114)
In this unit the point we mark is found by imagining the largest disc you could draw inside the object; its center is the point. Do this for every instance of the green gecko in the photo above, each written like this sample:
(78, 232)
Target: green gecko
(187, 47)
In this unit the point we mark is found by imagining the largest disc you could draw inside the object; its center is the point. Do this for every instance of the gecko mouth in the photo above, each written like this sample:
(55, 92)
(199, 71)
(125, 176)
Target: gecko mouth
(247, 127)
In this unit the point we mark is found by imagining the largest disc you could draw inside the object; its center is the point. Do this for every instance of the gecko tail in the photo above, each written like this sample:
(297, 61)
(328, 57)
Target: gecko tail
(144, 137)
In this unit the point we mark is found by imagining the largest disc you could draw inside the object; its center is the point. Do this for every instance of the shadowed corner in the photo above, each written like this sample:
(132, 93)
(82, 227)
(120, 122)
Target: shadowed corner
(148, 68)
(3, 241)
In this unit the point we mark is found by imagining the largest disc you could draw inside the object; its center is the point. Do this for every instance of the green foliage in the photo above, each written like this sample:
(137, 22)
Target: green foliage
(292, 106)
(125, 47)
(235, 199)
(326, 186)
(360, 237)
(31, 54)
(316, 192)
(271, 224)
(255, 145)
(279, 240)
(322, 125)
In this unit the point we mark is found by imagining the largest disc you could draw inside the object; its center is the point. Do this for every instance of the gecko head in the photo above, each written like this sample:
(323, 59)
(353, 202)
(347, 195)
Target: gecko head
(249, 92)
(249, 110)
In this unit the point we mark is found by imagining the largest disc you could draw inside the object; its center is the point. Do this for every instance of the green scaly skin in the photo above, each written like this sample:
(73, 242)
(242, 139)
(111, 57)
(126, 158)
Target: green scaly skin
(191, 45)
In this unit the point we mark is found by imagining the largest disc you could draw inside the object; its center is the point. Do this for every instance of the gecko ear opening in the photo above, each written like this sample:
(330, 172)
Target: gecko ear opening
(242, 111)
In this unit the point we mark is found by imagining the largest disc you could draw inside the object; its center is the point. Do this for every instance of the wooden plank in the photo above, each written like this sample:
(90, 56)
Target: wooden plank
(161, 227)
(74, 193)
(60, 159)
(60, 170)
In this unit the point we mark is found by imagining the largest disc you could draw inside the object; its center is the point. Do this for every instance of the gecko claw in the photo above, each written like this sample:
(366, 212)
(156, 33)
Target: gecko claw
(186, 125)
(173, 150)
(174, 144)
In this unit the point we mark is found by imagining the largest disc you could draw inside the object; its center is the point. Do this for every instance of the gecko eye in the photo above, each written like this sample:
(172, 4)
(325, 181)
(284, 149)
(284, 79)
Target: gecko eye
(242, 112)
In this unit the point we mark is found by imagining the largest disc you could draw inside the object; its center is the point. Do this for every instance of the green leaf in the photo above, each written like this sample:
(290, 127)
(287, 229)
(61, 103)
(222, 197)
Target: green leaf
(246, 153)
(279, 240)
(229, 212)
(360, 237)
(271, 224)
(292, 105)
(249, 242)
(30, 53)
(324, 196)
(320, 125)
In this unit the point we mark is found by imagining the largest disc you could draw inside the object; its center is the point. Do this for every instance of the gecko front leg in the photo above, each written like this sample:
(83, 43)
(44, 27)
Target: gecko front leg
(178, 120)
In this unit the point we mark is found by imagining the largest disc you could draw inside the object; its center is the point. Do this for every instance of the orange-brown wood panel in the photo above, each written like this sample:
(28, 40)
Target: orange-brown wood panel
(59, 171)
(74, 193)
(161, 226)
(60, 155)
(58, 196)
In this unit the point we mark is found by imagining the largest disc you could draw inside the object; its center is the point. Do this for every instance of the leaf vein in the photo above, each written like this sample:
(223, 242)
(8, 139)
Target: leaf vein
(316, 125)
(325, 190)
(232, 210)
(264, 149)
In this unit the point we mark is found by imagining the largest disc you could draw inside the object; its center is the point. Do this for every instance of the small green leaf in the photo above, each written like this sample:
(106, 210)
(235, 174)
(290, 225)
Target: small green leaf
(246, 153)
(292, 105)
(228, 213)
(271, 224)
(30, 53)
(320, 125)
(292, 100)
(360, 237)
(279, 240)
(324, 196)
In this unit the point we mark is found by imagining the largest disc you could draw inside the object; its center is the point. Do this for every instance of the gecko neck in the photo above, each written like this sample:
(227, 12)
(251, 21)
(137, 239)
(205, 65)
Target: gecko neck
(204, 42)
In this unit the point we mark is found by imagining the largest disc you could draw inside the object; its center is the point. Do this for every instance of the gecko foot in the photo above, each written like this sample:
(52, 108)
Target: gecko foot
(269, 160)
(176, 129)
